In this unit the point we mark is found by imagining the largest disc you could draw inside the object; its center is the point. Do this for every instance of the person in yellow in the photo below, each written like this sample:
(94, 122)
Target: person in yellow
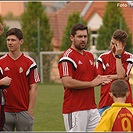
(119, 117)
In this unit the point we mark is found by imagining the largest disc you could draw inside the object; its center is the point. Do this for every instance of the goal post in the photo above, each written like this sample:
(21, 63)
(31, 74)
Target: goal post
(52, 57)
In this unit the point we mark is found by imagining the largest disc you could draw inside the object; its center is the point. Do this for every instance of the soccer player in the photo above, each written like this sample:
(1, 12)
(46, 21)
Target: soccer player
(21, 94)
(4, 82)
(79, 76)
(117, 64)
(119, 117)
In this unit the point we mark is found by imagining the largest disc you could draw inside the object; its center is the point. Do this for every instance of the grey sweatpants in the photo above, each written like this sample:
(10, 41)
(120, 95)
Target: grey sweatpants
(20, 121)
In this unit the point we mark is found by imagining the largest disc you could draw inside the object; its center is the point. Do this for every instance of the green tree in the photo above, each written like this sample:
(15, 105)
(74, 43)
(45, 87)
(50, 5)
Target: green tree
(37, 33)
(113, 19)
(72, 19)
(33, 14)
(3, 47)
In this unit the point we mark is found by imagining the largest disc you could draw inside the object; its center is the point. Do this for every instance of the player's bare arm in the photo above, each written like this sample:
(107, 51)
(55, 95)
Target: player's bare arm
(32, 98)
(71, 83)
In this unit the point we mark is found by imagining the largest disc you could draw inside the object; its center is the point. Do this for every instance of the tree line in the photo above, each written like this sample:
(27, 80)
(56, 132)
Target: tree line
(38, 34)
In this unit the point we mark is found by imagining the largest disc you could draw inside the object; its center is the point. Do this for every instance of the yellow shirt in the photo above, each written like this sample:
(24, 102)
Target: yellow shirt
(119, 117)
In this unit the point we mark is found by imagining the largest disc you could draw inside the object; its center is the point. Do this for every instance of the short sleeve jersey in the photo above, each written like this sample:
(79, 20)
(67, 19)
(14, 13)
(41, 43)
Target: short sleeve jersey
(106, 65)
(79, 67)
(119, 117)
(23, 72)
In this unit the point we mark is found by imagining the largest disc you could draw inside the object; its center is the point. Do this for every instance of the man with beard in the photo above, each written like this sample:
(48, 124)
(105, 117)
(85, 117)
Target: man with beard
(79, 77)
(117, 64)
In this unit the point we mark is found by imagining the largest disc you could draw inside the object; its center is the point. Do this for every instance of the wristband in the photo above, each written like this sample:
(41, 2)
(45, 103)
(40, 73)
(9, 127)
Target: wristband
(118, 56)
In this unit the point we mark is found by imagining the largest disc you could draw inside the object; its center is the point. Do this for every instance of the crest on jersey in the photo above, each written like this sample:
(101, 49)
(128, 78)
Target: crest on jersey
(20, 70)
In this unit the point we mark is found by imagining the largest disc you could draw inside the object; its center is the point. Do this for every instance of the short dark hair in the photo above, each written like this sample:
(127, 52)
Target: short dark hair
(78, 26)
(119, 88)
(120, 35)
(15, 31)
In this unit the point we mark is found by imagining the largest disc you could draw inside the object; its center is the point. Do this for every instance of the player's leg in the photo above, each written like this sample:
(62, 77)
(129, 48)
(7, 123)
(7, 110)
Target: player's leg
(24, 121)
(9, 121)
(93, 119)
(75, 121)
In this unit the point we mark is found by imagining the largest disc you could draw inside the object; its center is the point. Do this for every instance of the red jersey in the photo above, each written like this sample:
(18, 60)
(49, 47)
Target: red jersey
(107, 66)
(23, 72)
(80, 67)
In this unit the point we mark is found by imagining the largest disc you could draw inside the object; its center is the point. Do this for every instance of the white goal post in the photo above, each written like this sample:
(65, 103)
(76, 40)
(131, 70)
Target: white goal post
(44, 53)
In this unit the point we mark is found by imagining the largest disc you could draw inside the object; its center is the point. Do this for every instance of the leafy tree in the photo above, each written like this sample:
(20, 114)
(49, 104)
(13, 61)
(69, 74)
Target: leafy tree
(37, 33)
(72, 19)
(33, 18)
(113, 19)
(3, 47)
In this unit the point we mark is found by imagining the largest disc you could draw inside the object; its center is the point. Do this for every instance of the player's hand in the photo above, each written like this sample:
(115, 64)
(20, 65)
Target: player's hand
(1, 28)
(101, 80)
(31, 113)
(119, 47)
(5, 81)
(106, 80)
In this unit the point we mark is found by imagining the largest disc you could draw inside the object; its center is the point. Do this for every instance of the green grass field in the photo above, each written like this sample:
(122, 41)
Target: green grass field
(48, 109)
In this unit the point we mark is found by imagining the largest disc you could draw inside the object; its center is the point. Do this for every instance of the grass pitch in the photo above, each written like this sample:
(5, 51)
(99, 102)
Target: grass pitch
(48, 109)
